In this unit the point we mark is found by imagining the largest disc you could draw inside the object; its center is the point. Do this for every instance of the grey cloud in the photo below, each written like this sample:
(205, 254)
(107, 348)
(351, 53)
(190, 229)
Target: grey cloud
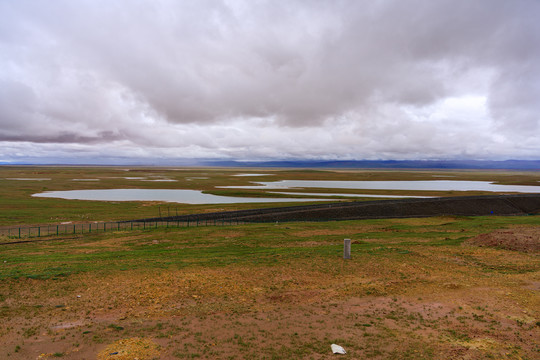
(101, 71)
(514, 100)
(62, 137)
(17, 104)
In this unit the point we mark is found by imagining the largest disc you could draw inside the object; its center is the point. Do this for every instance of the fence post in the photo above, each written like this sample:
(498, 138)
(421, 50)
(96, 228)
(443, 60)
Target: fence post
(346, 248)
(19, 233)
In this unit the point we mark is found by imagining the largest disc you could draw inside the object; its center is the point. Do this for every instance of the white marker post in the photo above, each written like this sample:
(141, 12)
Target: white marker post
(346, 248)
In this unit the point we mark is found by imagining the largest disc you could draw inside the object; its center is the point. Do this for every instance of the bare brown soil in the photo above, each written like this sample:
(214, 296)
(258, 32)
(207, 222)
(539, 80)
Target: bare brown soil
(524, 239)
(462, 302)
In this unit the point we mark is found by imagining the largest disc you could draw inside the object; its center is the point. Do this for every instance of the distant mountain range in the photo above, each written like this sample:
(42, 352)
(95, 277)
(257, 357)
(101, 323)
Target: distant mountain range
(385, 164)
(313, 164)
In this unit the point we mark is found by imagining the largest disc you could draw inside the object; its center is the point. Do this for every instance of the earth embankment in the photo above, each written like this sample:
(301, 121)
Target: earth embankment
(504, 205)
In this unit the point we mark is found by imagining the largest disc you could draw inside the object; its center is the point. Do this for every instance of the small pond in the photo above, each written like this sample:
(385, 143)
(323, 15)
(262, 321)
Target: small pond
(29, 179)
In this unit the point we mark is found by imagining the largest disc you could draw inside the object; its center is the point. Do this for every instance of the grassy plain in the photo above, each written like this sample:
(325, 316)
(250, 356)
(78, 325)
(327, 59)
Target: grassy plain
(414, 288)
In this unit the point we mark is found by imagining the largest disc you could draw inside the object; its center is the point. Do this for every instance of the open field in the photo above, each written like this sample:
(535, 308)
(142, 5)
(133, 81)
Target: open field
(429, 288)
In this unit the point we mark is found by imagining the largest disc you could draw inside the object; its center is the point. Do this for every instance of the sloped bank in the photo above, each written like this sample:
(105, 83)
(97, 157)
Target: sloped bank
(522, 204)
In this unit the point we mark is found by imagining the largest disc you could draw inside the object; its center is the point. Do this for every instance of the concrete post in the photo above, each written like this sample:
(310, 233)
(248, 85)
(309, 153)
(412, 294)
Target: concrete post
(346, 248)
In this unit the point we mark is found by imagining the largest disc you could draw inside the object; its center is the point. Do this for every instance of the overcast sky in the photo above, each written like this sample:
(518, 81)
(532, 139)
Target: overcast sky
(110, 81)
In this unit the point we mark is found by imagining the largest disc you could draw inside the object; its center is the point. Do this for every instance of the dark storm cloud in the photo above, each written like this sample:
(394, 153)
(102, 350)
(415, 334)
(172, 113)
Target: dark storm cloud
(362, 77)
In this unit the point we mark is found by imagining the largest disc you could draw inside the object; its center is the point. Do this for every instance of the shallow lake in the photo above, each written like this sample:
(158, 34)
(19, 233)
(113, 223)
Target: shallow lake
(350, 195)
(253, 175)
(426, 185)
(198, 197)
(168, 195)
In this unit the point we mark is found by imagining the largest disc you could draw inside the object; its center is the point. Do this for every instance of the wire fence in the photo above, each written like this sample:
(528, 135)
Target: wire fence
(460, 206)
(206, 219)
(24, 232)
(264, 215)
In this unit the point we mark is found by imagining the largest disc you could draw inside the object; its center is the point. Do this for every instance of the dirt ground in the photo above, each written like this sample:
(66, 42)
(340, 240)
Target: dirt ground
(518, 239)
(375, 310)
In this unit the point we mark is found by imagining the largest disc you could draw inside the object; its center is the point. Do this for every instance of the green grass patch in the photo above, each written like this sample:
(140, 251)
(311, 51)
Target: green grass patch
(253, 244)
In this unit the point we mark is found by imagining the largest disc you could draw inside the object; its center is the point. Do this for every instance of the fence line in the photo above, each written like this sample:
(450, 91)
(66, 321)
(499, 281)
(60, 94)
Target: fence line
(355, 210)
(37, 231)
